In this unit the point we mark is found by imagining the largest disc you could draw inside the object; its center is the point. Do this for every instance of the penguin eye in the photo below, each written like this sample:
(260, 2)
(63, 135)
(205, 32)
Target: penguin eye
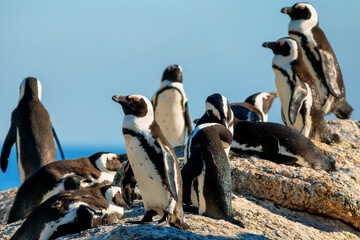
(280, 43)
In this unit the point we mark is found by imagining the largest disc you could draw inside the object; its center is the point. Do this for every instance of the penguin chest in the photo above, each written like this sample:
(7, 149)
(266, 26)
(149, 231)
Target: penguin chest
(285, 94)
(169, 114)
(154, 193)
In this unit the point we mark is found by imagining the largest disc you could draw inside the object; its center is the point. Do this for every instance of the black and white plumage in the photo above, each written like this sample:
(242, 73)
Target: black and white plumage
(171, 107)
(218, 110)
(31, 130)
(279, 144)
(72, 211)
(95, 171)
(299, 97)
(206, 174)
(274, 142)
(319, 58)
(255, 108)
(152, 163)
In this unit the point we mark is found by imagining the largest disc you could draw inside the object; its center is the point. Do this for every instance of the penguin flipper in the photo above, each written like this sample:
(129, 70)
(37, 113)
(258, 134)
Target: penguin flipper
(188, 123)
(128, 183)
(190, 172)
(170, 160)
(270, 145)
(58, 142)
(328, 63)
(8, 143)
(296, 102)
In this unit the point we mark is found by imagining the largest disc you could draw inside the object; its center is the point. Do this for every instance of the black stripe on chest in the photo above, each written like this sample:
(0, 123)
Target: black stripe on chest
(168, 88)
(155, 157)
(316, 64)
(290, 80)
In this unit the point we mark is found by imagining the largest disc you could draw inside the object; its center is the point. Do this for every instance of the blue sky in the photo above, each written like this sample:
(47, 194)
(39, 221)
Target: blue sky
(84, 52)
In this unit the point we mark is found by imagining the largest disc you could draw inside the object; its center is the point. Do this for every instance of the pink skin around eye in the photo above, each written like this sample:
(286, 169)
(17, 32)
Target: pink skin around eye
(280, 43)
(169, 68)
(135, 98)
(299, 7)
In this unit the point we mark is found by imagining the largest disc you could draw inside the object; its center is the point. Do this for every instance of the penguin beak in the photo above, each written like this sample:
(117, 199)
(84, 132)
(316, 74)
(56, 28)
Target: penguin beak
(287, 10)
(119, 99)
(270, 45)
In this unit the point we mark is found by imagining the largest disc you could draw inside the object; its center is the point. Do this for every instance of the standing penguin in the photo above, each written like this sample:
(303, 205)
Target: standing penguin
(55, 177)
(153, 163)
(319, 58)
(171, 107)
(31, 129)
(299, 97)
(207, 175)
(255, 108)
(73, 211)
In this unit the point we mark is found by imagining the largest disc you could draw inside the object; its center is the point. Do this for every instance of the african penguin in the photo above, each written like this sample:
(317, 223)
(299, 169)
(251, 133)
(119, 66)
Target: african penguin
(207, 174)
(279, 144)
(73, 211)
(171, 107)
(319, 58)
(31, 129)
(152, 162)
(94, 171)
(255, 108)
(298, 94)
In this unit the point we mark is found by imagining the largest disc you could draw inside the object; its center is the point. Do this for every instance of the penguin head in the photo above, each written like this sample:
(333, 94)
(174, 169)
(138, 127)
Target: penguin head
(106, 161)
(135, 105)
(173, 73)
(262, 101)
(219, 110)
(285, 49)
(303, 12)
(30, 88)
(113, 195)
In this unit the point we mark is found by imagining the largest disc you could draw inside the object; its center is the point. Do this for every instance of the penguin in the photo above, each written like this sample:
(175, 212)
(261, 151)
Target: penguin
(73, 211)
(300, 106)
(207, 174)
(255, 108)
(279, 144)
(55, 177)
(32, 131)
(218, 110)
(153, 163)
(319, 58)
(171, 107)
(274, 142)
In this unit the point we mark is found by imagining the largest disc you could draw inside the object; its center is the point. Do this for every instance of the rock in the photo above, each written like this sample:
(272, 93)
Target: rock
(273, 201)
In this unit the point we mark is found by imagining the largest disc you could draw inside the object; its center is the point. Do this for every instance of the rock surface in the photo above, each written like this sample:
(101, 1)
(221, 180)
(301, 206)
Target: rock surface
(273, 201)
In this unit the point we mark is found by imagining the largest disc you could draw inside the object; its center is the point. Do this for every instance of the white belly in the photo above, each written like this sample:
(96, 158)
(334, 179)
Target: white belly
(199, 202)
(284, 91)
(154, 193)
(169, 115)
(18, 151)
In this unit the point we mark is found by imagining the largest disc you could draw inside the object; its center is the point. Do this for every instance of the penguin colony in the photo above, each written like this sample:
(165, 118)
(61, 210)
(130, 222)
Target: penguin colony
(68, 196)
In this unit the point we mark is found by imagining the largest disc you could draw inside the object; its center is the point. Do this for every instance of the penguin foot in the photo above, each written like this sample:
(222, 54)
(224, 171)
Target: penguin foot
(141, 222)
(165, 219)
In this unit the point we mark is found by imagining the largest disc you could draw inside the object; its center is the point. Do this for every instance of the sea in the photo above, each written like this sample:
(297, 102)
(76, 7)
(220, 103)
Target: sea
(11, 179)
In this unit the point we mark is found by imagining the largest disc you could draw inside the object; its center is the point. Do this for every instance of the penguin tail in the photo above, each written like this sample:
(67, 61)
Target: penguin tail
(343, 109)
